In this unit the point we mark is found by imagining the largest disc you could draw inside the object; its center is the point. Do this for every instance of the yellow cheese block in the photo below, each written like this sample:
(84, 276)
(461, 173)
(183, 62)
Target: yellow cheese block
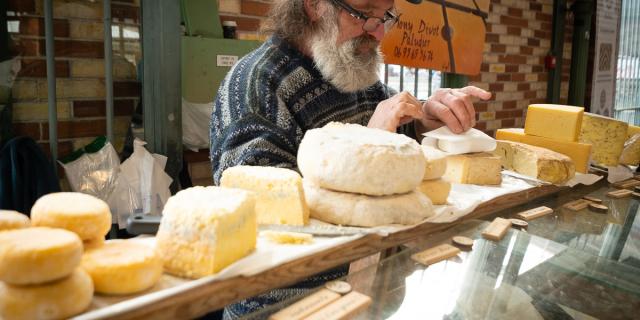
(60, 299)
(81, 213)
(578, 152)
(607, 137)
(474, 168)
(535, 162)
(10, 219)
(122, 267)
(437, 190)
(279, 193)
(204, 229)
(38, 255)
(632, 130)
(631, 152)
(554, 121)
(436, 163)
(284, 237)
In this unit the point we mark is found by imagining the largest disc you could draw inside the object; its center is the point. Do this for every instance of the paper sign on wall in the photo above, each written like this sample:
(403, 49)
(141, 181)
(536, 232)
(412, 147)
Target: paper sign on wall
(440, 35)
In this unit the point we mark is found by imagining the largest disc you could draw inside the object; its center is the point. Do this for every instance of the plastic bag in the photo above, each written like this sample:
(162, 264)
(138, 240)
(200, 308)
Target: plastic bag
(142, 185)
(195, 124)
(93, 169)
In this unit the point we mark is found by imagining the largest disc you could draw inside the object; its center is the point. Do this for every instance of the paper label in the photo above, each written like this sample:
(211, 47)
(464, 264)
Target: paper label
(225, 60)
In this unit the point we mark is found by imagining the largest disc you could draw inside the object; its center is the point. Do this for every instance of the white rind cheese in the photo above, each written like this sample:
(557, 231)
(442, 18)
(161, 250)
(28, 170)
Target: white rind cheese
(357, 159)
(122, 267)
(37, 255)
(279, 193)
(10, 219)
(204, 229)
(60, 299)
(436, 163)
(81, 213)
(366, 211)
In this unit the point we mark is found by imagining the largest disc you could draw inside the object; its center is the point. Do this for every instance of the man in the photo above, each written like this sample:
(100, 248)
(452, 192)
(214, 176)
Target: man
(320, 65)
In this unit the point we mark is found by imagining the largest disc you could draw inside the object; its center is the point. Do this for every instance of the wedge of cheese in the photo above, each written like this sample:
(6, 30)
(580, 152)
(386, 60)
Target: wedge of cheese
(578, 152)
(122, 267)
(279, 193)
(59, 299)
(204, 229)
(474, 168)
(535, 162)
(10, 219)
(38, 255)
(632, 130)
(554, 121)
(607, 137)
(436, 163)
(437, 190)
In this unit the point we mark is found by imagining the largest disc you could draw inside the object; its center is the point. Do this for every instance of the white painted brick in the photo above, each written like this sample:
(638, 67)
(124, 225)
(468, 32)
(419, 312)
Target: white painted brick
(230, 6)
(531, 77)
(513, 49)
(510, 87)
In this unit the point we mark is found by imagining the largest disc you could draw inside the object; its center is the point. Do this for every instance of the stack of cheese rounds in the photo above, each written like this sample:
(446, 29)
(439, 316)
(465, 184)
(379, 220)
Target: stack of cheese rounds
(10, 219)
(360, 176)
(40, 276)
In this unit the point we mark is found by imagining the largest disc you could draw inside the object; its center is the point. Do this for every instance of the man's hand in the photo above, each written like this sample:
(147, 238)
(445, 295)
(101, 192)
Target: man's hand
(395, 111)
(453, 108)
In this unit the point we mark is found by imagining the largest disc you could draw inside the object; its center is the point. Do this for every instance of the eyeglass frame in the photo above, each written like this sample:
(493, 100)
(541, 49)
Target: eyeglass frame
(389, 16)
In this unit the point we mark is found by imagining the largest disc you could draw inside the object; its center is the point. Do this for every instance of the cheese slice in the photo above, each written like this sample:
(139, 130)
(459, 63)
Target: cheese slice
(436, 163)
(554, 121)
(81, 213)
(607, 137)
(366, 211)
(437, 190)
(535, 162)
(205, 229)
(122, 267)
(38, 255)
(10, 219)
(60, 299)
(285, 237)
(353, 158)
(631, 152)
(279, 193)
(474, 168)
(578, 152)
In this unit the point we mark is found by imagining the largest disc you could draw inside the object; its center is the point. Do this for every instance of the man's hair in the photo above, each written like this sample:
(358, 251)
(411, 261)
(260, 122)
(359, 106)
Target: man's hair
(288, 20)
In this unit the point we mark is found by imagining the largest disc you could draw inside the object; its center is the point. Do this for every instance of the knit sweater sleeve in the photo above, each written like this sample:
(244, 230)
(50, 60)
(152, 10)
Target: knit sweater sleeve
(250, 125)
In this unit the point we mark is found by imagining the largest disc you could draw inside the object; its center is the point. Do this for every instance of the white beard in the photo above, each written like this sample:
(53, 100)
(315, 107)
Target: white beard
(344, 66)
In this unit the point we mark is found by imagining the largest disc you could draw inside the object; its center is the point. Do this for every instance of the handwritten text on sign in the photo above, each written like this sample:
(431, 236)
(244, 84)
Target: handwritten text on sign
(445, 36)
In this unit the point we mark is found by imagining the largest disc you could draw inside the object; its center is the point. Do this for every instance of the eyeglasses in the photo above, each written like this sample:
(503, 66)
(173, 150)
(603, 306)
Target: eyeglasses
(370, 23)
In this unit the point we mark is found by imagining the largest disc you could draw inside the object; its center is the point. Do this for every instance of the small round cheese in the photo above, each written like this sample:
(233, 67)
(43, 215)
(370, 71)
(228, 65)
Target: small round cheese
(10, 219)
(366, 211)
(38, 255)
(122, 267)
(357, 159)
(436, 163)
(81, 213)
(93, 243)
(54, 300)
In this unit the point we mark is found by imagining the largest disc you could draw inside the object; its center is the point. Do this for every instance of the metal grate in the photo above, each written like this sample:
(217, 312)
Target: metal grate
(627, 104)
(420, 82)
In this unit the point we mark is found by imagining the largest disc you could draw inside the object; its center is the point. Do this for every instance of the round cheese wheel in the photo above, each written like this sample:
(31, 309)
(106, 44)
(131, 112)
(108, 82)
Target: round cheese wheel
(54, 300)
(93, 243)
(357, 159)
(366, 211)
(81, 213)
(10, 219)
(38, 255)
(122, 267)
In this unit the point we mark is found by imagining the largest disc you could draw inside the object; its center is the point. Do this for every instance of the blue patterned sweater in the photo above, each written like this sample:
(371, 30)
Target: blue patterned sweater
(270, 98)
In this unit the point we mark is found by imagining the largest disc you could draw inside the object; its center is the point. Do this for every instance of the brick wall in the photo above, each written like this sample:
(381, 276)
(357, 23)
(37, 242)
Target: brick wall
(80, 89)
(518, 39)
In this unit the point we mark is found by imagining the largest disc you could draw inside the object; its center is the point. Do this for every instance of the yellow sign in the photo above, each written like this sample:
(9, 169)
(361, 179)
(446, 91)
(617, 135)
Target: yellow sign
(437, 34)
